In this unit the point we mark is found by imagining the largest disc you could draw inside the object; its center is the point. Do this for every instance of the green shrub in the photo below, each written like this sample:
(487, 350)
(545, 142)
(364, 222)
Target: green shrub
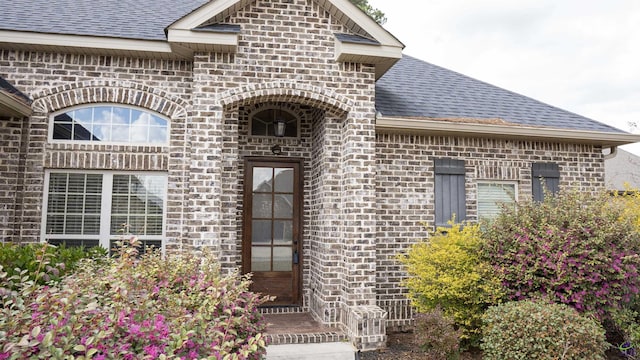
(446, 271)
(49, 262)
(134, 308)
(575, 248)
(436, 336)
(529, 330)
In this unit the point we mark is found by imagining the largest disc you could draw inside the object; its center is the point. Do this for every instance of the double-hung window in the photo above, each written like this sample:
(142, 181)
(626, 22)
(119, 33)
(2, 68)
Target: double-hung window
(91, 208)
(492, 196)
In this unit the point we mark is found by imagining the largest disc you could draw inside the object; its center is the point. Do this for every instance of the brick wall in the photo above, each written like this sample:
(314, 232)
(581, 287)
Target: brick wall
(405, 191)
(10, 181)
(59, 81)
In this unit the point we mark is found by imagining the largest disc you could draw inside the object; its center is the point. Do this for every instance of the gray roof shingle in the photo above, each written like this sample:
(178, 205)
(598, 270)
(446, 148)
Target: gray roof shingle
(415, 88)
(130, 19)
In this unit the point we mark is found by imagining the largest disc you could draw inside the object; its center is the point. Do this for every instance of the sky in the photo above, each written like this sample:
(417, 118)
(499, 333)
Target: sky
(579, 55)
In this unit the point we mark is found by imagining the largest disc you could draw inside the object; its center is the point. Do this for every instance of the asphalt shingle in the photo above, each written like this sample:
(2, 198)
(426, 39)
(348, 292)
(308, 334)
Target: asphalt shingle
(415, 88)
(130, 19)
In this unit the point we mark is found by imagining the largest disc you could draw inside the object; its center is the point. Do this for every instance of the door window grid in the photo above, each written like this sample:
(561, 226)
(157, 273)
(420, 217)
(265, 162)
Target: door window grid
(272, 219)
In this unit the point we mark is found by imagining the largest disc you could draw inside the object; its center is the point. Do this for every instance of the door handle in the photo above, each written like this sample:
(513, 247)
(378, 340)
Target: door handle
(296, 258)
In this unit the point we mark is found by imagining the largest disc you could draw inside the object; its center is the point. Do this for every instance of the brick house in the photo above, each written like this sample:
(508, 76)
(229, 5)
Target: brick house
(291, 137)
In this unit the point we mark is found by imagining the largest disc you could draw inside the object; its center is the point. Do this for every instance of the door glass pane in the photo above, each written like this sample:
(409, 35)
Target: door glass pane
(284, 180)
(282, 258)
(260, 258)
(283, 231)
(261, 205)
(262, 179)
(261, 232)
(283, 206)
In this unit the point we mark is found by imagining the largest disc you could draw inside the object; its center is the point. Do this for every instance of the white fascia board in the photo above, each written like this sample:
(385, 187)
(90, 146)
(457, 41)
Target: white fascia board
(13, 106)
(421, 126)
(344, 50)
(81, 41)
(202, 37)
(204, 13)
(366, 23)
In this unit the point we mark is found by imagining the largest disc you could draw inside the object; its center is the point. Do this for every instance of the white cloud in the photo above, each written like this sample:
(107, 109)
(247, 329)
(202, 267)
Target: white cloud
(582, 56)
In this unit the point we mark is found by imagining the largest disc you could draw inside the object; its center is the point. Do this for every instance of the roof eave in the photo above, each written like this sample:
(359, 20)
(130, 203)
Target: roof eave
(434, 127)
(382, 56)
(85, 44)
(12, 106)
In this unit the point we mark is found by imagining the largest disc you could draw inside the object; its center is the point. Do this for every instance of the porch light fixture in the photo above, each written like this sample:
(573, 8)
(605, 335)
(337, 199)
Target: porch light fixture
(279, 125)
(276, 149)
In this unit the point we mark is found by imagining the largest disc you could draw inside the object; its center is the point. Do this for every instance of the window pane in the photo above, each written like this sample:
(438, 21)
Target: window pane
(283, 231)
(69, 209)
(260, 258)
(261, 205)
(111, 123)
(283, 206)
(138, 201)
(282, 258)
(261, 231)
(492, 196)
(284, 180)
(262, 179)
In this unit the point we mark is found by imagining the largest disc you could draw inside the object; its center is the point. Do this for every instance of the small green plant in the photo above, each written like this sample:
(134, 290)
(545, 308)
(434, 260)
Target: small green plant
(446, 271)
(530, 330)
(133, 307)
(436, 336)
(44, 261)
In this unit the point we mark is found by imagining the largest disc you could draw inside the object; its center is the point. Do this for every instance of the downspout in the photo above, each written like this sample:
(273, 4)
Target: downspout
(613, 150)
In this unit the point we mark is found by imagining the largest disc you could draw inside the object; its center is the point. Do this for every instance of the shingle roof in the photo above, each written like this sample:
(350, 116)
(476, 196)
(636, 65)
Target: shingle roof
(415, 88)
(131, 19)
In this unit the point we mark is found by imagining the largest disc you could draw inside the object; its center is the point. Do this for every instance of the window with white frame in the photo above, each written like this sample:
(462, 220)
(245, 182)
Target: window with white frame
(492, 196)
(91, 208)
(108, 123)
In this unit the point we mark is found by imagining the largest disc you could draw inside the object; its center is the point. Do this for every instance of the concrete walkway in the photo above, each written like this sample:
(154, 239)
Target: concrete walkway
(322, 351)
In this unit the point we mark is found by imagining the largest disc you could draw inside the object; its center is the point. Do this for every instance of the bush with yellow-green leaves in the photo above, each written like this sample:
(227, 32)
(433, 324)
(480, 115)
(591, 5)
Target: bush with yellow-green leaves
(447, 271)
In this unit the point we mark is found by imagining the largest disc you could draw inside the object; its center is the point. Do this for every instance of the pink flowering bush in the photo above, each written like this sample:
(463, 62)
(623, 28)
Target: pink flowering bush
(575, 249)
(130, 308)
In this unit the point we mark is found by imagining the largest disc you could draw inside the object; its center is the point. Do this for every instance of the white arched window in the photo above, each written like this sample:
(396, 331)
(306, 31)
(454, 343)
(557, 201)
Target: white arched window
(109, 123)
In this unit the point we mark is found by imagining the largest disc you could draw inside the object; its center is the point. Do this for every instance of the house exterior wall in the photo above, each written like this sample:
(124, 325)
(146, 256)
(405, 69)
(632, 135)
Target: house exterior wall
(10, 174)
(365, 194)
(405, 192)
(285, 55)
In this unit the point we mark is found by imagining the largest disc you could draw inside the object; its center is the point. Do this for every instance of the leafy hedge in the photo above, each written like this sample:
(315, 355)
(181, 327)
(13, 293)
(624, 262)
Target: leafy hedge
(61, 260)
(576, 249)
(446, 271)
(530, 330)
(129, 308)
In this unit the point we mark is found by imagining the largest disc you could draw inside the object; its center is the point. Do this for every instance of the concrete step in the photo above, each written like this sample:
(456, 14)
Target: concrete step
(319, 351)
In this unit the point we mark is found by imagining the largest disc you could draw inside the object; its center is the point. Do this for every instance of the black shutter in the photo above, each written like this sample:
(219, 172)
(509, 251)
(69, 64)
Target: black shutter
(547, 175)
(449, 191)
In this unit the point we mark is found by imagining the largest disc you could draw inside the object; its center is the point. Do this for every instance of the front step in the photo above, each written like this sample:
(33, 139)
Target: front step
(323, 351)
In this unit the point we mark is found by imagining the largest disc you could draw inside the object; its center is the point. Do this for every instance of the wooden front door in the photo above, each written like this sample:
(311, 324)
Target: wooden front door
(271, 247)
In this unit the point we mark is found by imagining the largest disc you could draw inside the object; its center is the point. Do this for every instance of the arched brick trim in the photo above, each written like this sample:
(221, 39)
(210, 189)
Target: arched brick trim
(110, 91)
(288, 91)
